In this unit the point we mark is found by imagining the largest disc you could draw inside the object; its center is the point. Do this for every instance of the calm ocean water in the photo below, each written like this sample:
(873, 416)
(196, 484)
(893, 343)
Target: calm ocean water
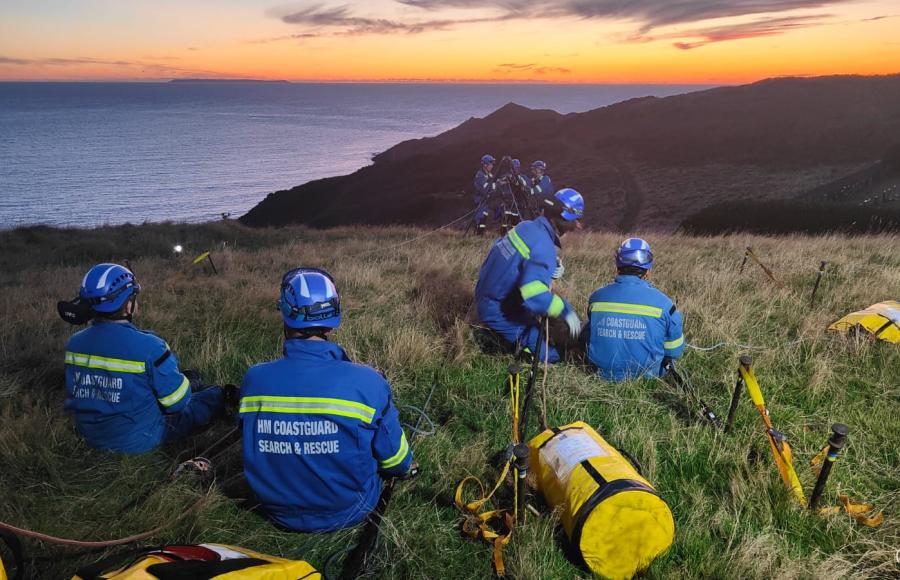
(83, 154)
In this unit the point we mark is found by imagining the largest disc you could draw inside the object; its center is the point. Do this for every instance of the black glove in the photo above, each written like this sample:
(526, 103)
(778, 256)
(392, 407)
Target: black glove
(232, 396)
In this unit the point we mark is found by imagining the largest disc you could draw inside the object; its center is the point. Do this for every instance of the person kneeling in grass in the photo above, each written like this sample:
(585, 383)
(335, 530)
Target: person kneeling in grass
(319, 432)
(123, 384)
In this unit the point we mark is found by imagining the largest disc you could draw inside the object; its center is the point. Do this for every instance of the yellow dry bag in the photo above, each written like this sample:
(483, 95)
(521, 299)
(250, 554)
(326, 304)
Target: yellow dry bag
(200, 562)
(611, 514)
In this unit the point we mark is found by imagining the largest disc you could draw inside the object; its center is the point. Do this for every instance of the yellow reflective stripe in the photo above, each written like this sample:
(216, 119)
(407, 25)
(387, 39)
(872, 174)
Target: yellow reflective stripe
(674, 343)
(521, 246)
(308, 405)
(622, 308)
(93, 361)
(533, 288)
(398, 457)
(556, 306)
(178, 394)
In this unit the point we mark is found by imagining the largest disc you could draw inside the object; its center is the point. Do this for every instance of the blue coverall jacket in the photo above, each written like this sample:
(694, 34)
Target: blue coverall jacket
(125, 389)
(542, 187)
(514, 284)
(317, 429)
(484, 186)
(633, 326)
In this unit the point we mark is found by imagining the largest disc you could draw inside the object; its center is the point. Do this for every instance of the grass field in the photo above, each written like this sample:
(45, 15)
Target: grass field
(404, 307)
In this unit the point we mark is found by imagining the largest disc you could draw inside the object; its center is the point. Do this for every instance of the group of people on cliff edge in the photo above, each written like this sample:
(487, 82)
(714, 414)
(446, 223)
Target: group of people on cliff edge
(506, 196)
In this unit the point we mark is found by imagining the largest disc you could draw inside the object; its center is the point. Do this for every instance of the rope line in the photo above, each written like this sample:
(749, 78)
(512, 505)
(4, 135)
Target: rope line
(426, 234)
(422, 416)
(719, 345)
(105, 543)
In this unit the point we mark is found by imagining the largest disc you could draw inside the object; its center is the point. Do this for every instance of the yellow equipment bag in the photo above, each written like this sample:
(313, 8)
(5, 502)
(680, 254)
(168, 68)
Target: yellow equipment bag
(611, 514)
(201, 562)
(882, 320)
(14, 568)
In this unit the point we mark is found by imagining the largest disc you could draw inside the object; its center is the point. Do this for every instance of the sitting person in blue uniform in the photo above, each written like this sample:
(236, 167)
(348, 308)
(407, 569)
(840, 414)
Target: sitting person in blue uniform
(633, 327)
(319, 431)
(123, 384)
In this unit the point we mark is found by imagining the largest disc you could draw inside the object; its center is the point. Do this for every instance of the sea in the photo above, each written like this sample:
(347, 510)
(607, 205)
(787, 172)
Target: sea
(89, 154)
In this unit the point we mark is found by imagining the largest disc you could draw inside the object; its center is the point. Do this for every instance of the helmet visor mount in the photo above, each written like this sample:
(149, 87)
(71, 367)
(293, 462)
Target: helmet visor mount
(317, 311)
(571, 214)
(638, 258)
(115, 294)
(324, 310)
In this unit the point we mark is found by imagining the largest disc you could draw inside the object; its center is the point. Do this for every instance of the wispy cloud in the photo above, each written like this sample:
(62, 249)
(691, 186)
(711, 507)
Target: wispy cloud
(323, 20)
(511, 68)
(690, 39)
(651, 13)
(647, 15)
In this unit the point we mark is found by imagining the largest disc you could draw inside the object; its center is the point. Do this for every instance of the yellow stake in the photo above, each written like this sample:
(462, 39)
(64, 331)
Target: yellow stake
(781, 449)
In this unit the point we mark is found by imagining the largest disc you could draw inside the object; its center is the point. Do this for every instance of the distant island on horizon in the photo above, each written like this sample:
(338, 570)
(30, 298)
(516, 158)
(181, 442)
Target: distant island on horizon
(229, 81)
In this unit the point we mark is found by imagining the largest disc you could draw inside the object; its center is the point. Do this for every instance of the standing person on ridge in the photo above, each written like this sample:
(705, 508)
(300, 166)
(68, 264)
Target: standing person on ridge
(123, 384)
(485, 186)
(633, 326)
(514, 282)
(541, 186)
(521, 188)
(319, 431)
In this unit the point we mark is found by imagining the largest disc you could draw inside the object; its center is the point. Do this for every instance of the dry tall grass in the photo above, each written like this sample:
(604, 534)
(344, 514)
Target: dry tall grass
(404, 304)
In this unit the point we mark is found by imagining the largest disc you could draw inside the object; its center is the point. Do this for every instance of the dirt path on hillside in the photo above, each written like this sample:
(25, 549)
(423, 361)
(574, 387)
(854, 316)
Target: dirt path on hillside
(633, 194)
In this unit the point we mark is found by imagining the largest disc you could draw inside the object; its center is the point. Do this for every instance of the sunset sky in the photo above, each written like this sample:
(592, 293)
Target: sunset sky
(576, 41)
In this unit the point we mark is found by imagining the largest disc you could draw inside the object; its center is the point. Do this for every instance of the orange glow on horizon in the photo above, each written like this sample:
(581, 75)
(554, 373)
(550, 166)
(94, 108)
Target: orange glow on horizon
(149, 41)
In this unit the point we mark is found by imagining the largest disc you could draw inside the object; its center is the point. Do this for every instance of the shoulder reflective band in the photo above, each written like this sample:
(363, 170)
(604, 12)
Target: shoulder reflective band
(623, 308)
(520, 245)
(533, 288)
(307, 405)
(674, 343)
(556, 307)
(93, 361)
(398, 457)
(179, 393)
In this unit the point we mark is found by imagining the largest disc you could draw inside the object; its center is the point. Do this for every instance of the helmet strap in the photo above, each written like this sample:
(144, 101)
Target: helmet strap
(306, 333)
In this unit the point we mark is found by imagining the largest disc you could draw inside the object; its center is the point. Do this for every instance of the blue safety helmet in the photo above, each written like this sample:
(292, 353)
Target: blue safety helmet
(634, 252)
(572, 204)
(309, 299)
(487, 159)
(106, 287)
(539, 165)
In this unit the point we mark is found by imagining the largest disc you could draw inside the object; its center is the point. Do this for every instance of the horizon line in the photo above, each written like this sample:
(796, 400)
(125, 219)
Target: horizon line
(710, 82)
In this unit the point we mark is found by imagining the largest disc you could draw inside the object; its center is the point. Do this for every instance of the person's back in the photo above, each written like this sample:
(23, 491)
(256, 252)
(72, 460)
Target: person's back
(123, 384)
(318, 430)
(531, 245)
(633, 326)
(513, 287)
(116, 388)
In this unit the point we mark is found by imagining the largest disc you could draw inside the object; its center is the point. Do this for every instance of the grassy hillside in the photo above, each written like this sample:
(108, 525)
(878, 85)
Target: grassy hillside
(404, 305)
